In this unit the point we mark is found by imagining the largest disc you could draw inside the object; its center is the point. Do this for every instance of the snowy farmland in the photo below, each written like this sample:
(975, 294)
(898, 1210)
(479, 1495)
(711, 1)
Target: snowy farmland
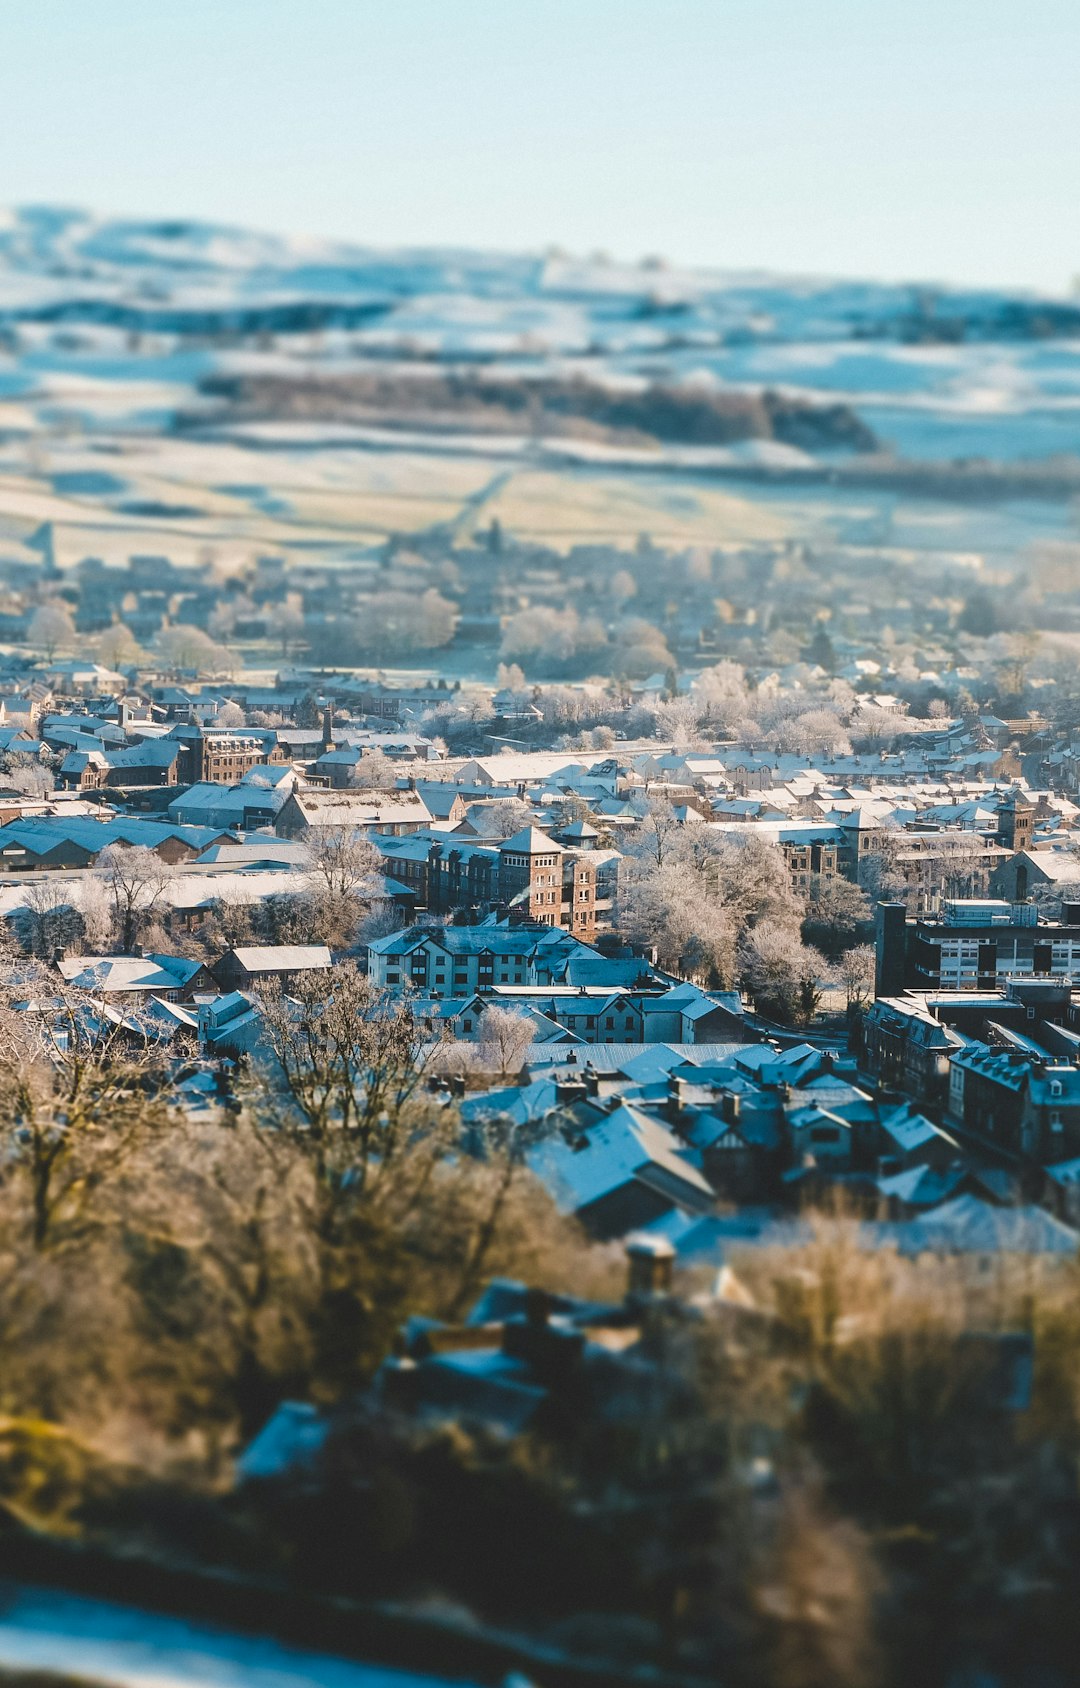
(115, 339)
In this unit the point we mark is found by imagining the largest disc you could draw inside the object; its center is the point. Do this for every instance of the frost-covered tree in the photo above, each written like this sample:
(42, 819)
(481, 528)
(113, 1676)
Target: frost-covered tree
(136, 880)
(781, 973)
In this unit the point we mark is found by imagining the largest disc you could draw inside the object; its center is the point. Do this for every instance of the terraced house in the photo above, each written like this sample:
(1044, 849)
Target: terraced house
(458, 959)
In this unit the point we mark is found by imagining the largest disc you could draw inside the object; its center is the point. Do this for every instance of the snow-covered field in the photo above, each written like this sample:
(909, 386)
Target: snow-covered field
(78, 288)
(126, 1648)
(108, 329)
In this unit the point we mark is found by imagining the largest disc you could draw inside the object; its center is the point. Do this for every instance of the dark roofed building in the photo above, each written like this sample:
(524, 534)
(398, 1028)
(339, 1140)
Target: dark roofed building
(239, 969)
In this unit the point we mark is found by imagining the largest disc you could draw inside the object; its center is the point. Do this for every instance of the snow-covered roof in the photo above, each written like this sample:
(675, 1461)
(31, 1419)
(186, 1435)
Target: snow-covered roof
(282, 958)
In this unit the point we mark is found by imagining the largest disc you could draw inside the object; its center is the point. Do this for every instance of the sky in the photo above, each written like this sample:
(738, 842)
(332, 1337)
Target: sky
(911, 139)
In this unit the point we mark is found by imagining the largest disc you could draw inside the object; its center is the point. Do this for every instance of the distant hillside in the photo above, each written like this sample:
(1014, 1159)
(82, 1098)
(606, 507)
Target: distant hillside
(654, 413)
(537, 345)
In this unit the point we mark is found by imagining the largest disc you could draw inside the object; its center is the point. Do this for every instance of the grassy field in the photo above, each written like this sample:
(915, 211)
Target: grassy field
(114, 495)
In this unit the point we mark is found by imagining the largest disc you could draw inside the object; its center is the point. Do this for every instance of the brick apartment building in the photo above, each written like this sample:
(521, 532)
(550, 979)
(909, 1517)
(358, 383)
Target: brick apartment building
(530, 875)
(542, 882)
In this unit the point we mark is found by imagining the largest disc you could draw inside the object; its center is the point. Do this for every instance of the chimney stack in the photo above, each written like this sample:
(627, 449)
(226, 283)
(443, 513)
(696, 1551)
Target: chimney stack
(651, 1265)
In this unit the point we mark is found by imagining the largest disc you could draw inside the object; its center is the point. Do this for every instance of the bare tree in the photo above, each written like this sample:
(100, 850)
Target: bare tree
(677, 721)
(96, 911)
(745, 873)
(964, 870)
(510, 678)
(28, 774)
(136, 879)
(286, 621)
(781, 973)
(373, 772)
(502, 818)
(692, 892)
(655, 835)
(380, 920)
(836, 912)
(505, 1036)
(51, 629)
(342, 859)
(117, 644)
(666, 908)
(815, 732)
(347, 1058)
(49, 922)
(190, 648)
(542, 633)
(873, 725)
(723, 695)
(77, 1084)
(856, 972)
(230, 715)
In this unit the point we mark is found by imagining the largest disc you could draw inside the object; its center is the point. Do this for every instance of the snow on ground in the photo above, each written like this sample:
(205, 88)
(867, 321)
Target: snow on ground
(127, 1648)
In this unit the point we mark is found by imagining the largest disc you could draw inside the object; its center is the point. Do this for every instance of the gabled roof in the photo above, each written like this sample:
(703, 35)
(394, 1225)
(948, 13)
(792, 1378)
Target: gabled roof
(623, 1145)
(909, 1129)
(282, 958)
(923, 1186)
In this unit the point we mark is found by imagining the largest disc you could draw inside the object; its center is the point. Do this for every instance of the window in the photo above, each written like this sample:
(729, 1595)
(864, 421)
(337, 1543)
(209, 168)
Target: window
(466, 1025)
(1055, 1087)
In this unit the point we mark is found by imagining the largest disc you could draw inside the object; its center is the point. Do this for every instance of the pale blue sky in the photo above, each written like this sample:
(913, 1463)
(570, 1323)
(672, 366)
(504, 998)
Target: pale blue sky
(910, 138)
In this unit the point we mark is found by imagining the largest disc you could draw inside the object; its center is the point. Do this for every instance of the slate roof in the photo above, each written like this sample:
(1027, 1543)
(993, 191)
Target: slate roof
(910, 1014)
(151, 753)
(106, 973)
(530, 841)
(39, 833)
